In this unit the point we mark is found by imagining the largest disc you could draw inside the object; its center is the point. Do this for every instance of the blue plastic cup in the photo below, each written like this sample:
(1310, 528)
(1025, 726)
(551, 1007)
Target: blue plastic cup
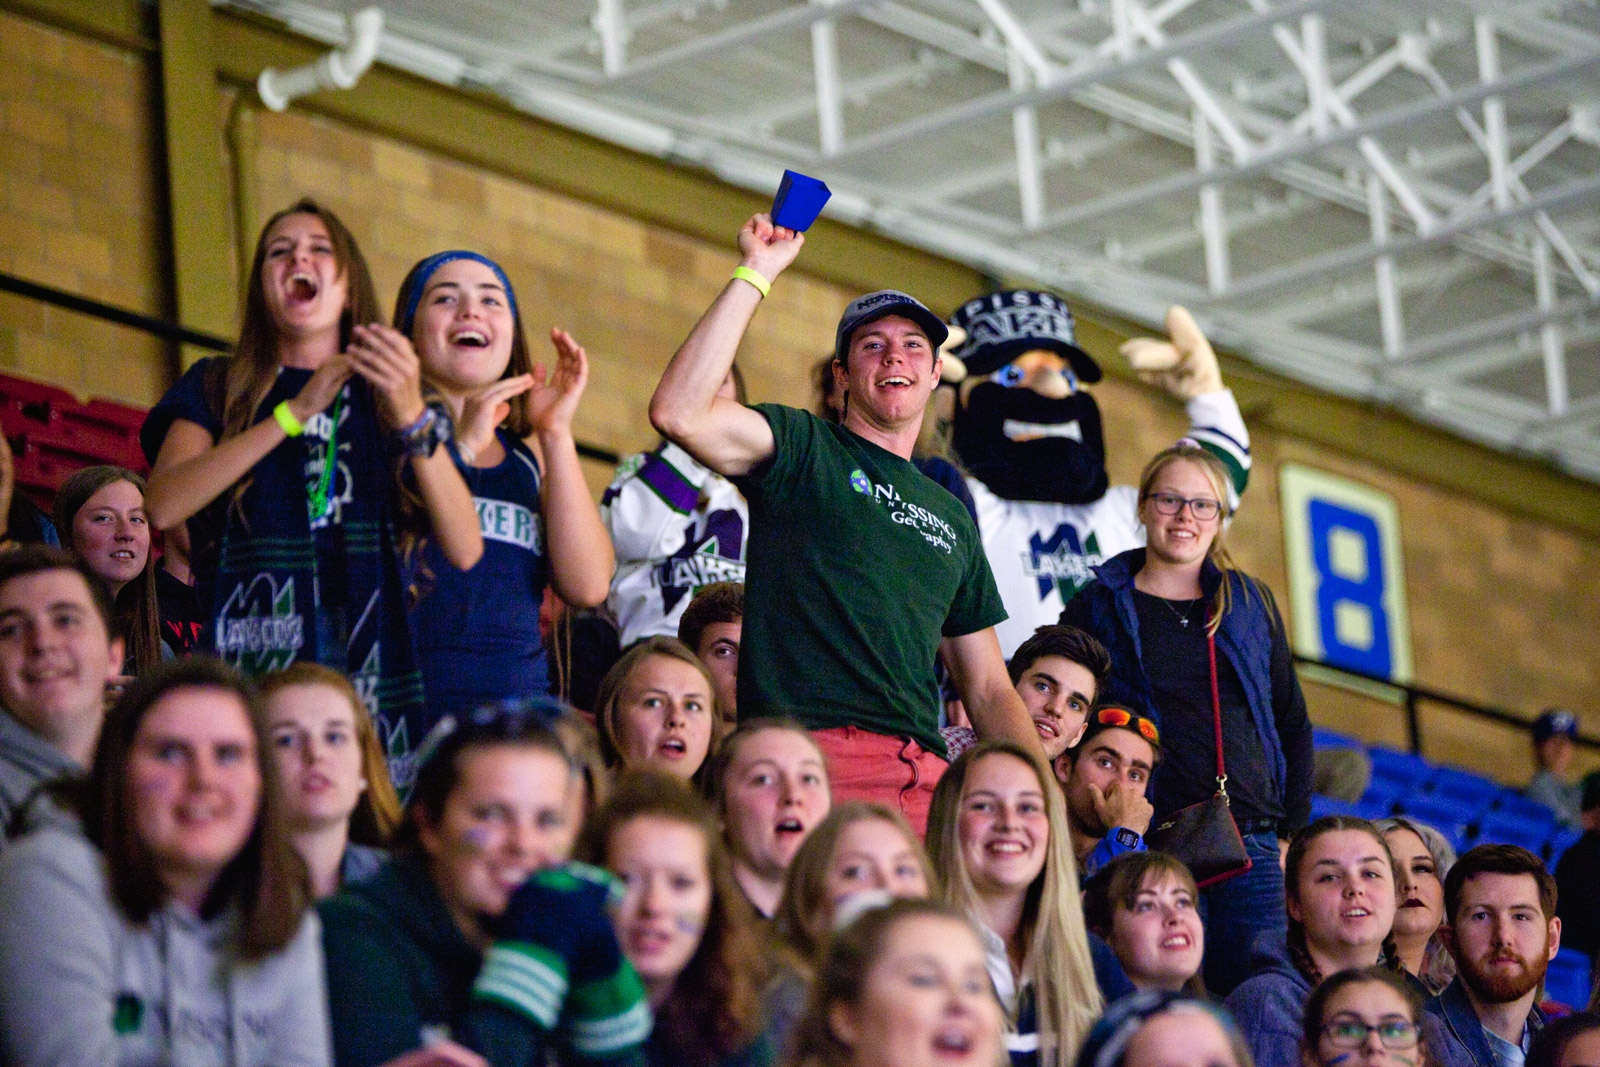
(799, 201)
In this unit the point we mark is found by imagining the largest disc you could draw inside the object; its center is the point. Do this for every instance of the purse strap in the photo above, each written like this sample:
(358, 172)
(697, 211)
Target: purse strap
(1216, 712)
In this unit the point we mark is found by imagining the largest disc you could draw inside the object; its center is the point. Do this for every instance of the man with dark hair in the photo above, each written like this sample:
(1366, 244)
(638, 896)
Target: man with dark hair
(1555, 735)
(1501, 928)
(861, 569)
(711, 626)
(1578, 877)
(1057, 672)
(59, 650)
(1104, 778)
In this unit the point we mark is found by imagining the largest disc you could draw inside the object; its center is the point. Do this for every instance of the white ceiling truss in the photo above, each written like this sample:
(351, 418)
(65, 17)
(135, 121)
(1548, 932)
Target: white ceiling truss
(1390, 199)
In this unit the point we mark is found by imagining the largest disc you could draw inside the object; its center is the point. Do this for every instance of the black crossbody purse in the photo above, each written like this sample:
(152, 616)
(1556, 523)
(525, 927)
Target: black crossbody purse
(1204, 836)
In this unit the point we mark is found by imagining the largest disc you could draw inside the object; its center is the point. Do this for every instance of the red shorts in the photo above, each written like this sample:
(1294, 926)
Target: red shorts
(893, 771)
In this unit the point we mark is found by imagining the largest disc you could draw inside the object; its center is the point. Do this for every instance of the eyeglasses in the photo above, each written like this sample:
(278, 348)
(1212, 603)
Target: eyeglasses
(1124, 717)
(1351, 1033)
(1204, 509)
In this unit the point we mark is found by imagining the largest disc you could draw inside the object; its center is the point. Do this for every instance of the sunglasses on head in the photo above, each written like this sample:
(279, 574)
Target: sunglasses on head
(1125, 718)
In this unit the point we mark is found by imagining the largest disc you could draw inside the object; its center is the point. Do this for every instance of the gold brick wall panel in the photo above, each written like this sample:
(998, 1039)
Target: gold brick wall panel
(82, 209)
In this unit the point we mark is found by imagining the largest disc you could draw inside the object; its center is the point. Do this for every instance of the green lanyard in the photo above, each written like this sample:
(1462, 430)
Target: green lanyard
(317, 495)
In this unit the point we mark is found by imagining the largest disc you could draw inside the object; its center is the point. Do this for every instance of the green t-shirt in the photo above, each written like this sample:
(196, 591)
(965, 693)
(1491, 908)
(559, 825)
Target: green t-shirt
(858, 565)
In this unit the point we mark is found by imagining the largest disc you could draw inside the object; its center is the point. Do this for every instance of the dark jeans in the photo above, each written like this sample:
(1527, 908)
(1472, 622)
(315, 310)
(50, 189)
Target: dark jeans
(1240, 910)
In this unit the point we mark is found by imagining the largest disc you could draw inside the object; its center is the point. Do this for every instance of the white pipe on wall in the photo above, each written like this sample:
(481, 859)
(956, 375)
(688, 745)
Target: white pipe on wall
(339, 69)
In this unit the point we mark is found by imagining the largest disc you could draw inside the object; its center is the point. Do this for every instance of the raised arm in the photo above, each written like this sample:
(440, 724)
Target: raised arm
(723, 434)
(581, 557)
(192, 469)
(979, 671)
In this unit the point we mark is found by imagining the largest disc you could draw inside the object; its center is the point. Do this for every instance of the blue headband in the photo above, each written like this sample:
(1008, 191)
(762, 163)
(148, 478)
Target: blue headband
(426, 270)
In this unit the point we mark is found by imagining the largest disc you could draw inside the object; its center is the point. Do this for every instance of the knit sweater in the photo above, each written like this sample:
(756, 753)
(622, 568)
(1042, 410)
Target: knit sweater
(81, 985)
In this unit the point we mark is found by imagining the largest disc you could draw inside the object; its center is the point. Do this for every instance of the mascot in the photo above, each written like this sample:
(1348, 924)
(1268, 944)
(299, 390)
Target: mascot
(1030, 439)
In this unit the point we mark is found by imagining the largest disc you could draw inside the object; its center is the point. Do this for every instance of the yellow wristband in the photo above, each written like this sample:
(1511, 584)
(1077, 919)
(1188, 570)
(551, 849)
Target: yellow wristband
(762, 285)
(291, 425)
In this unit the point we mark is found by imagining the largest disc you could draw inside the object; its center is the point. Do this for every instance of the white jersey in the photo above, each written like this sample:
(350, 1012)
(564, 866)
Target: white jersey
(1042, 553)
(676, 525)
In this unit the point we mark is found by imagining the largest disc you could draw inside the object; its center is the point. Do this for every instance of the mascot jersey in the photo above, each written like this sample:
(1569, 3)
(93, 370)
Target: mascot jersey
(677, 526)
(1042, 552)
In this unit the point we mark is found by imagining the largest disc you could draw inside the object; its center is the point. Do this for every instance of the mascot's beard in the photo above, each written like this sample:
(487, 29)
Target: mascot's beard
(1064, 463)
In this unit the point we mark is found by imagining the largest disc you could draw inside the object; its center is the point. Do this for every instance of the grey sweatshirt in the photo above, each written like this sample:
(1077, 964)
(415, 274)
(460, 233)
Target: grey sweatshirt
(80, 986)
(27, 761)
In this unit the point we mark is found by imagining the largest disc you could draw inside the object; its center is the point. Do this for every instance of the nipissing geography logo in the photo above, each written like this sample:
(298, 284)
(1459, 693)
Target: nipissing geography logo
(860, 482)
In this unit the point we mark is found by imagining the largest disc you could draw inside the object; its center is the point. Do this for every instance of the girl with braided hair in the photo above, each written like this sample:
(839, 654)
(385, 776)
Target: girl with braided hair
(1339, 882)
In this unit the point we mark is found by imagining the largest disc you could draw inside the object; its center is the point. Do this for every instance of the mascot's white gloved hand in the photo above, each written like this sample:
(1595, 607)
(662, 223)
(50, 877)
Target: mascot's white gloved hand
(1184, 366)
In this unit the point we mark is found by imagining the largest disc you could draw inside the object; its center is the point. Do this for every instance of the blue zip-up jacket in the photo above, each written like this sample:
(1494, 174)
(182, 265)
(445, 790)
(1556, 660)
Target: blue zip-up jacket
(1251, 638)
(1453, 1033)
(1270, 1009)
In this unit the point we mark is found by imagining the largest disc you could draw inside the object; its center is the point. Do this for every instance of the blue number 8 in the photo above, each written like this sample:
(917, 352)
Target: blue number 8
(1350, 608)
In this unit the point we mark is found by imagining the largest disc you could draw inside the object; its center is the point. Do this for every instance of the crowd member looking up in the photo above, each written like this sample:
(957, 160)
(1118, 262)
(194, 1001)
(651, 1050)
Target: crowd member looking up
(998, 834)
(711, 626)
(1370, 1014)
(1340, 879)
(280, 456)
(1423, 858)
(1161, 611)
(1570, 1042)
(496, 800)
(1146, 906)
(842, 524)
(1058, 673)
(1503, 932)
(902, 986)
(1104, 778)
(338, 803)
(1555, 735)
(478, 630)
(769, 785)
(100, 513)
(179, 929)
(1163, 1029)
(656, 710)
(59, 650)
(1578, 875)
(683, 924)
(677, 526)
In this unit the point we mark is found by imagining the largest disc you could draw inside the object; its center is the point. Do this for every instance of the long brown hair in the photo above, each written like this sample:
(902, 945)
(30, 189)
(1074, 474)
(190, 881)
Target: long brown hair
(253, 367)
(1217, 474)
(377, 813)
(1299, 951)
(714, 1009)
(799, 924)
(266, 881)
(1055, 940)
(1116, 887)
(138, 614)
(616, 679)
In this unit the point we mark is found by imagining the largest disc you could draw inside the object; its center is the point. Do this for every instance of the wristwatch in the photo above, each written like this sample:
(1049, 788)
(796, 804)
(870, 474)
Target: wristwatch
(1127, 838)
(423, 437)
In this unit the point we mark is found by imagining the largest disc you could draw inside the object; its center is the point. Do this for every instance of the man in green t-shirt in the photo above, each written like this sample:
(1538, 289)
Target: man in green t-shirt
(859, 566)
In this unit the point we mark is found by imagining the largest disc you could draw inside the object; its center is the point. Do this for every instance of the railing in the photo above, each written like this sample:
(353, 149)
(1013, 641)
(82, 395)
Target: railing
(1408, 697)
(171, 331)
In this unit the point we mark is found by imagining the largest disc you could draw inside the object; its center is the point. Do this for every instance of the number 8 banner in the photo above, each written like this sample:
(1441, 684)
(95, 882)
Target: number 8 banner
(1346, 578)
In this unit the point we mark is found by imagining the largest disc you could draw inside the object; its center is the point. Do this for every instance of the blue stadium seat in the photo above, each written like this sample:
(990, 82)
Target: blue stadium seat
(1375, 806)
(1561, 839)
(1446, 817)
(1567, 979)
(1322, 806)
(1497, 827)
(1514, 803)
(1321, 738)
(1472, 791)
(1404, 766)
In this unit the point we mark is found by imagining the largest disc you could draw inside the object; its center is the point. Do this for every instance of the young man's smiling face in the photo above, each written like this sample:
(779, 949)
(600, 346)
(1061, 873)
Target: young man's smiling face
(891, 372)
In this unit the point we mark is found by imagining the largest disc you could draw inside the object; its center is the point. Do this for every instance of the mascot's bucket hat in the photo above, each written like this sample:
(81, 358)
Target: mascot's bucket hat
(1002, 326)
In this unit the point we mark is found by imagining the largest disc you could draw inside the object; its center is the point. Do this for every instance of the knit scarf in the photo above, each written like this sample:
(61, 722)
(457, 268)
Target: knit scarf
(292, 585)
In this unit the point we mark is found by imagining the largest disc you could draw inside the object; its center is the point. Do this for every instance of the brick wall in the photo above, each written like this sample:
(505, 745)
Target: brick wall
(1503, 610)
(82, 209)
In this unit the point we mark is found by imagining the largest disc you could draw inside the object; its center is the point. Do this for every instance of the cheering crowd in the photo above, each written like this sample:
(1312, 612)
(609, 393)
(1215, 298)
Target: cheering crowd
(829, 781)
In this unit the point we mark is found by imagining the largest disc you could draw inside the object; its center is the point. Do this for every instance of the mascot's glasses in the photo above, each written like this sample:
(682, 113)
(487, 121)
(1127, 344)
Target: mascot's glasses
(1202, 508)
(1124, 717)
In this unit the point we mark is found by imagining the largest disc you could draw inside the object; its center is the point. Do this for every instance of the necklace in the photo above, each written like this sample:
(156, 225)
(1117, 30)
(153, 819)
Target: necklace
(317, 495)
(1183, 616)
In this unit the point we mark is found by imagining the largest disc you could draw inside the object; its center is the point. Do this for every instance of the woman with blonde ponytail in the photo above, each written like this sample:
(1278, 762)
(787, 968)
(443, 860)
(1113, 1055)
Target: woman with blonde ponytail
(1192, 640)
(997, 832)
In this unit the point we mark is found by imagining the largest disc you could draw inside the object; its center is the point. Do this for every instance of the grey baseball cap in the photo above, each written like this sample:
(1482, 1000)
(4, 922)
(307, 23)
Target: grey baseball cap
(880, 305)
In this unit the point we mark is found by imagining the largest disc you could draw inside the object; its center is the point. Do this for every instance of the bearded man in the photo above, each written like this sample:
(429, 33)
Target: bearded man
(1500, 907)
